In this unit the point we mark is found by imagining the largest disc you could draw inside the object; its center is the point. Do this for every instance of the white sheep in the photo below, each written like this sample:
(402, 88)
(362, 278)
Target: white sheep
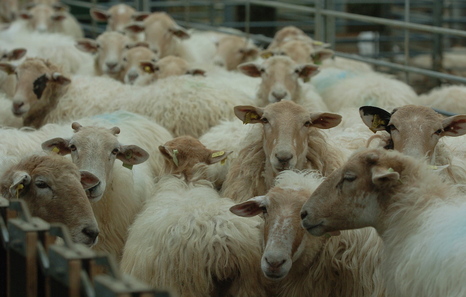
(299, 264)
(45, 18)
(288, 139)
(8, 10)
(107, 49)
(446, 98)
(8, 80)
(419, 218)
(53, 189)
(185, 240)
(287, 33)
(234, 50)
(280, 81)
(133, 72)
(184, 105)
(417, 131)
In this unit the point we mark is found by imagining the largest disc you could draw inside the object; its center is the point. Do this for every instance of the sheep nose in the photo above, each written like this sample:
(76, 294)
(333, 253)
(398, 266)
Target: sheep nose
(303, 214)
(219, 63)
(111, 65)
(274, 263)
(132, 77)
(17, 105)
(279, 95)
(284, 157)
(91, 232)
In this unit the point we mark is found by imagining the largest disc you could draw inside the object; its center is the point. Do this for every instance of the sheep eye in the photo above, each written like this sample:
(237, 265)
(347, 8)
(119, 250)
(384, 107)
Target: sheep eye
(264, 209)
(115, 151)
(41, 185)
(349, 177)
(262, 70)
(154, 60)
(264, 120)
(392, 128)
(72, 147)
(124, 59)
(307, 124)
(439, 131)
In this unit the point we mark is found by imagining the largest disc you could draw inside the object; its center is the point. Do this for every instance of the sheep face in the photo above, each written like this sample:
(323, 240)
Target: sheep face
(286, 128)
(183, 155)
(303, 52)
(355, 195)
(132, 71)
(288, 32)
(234, 50)
(95, 149)
(53, 189)
(283, 234)
(117, 17)
(108, 49)
(43, 18)
(166, 67)
(8, 10)
(280, 78)
(162, 33)
(414, 130)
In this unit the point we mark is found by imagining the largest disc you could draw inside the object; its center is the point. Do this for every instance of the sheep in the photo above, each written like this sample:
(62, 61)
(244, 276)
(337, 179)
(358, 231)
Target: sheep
(415, 131)
(121, 191)
(170, 103)
(185, 240)
(165, 67)
(345, 264)
(446, 98)
(108, 50)
(414, 212)
(132, 70)
(280, 81)
(53, 189)
(118, 16)
(8, 81)
(44, 18)
(289, 139)
(287, 33)
(342, 89)
(234, 50)
(8, 10)
(163, 35)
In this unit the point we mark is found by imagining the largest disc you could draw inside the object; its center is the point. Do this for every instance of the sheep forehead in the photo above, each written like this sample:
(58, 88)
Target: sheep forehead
(279, 63)
(112, 39)
(120, 9)
(421, 115)
(95, 136)
(188, 146)
(286, 112)
(140, 53)
(54, 166)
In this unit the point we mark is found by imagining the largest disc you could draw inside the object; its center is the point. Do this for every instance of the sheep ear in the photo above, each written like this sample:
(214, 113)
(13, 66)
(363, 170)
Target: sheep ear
(57, 145)
(21, 181)
(454, 126)
(140, 16)
(249, 114)
(250, 53)
(179, 32)
(306, 71)
(25, 15)
(132, 154)
(88, 180)
(16, 54)
(325, 120)
(135, 28)
(99, 15)
(148, 67)
(59, 78)
(7, 68)
(250, 69)
(250, 208)
(384, 176)
(87, 45)
(58, 17)
(321, 55)
(375, 118)
(218, 156)
(196, 72)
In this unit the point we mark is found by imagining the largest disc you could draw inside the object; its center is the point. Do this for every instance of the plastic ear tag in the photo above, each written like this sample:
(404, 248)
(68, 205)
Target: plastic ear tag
(438, 168)
(129, 166)
(19, 188)
(266, 55)
(218, 154)
(148, 69)
(391, 170)
(56, 150)
(129, 154)
(316, 59)
(175, 158)
(250, 116)
(315, 42)
(376, 122)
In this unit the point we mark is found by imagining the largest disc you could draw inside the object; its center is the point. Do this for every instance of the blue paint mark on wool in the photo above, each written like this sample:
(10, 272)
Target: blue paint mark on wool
(116, 117)
(329, 77)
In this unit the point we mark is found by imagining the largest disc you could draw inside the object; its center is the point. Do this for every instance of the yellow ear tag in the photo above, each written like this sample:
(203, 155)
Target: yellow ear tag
(129, 166)
(266, 55)
(376, 122)
(129, 154)
(56, 150)
(175, 158)
(19, 188)
(250, 116)
(148, 69)
(218, 154)
(315, 42)
(316, 59)
(391, 170)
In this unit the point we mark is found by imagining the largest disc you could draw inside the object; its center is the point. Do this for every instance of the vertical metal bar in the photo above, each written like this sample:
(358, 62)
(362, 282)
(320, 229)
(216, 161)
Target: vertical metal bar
(3, 247)
(93, 22)
(187, 11)
(146, 5)
(330, 27)
(247, 25)
(319, 21)
(437, 46)
(211, 13)
(406, 38)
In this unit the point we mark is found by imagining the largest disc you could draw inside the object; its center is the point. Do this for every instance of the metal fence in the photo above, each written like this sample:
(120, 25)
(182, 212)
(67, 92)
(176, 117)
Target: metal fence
(31, 265)
(400, 29)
